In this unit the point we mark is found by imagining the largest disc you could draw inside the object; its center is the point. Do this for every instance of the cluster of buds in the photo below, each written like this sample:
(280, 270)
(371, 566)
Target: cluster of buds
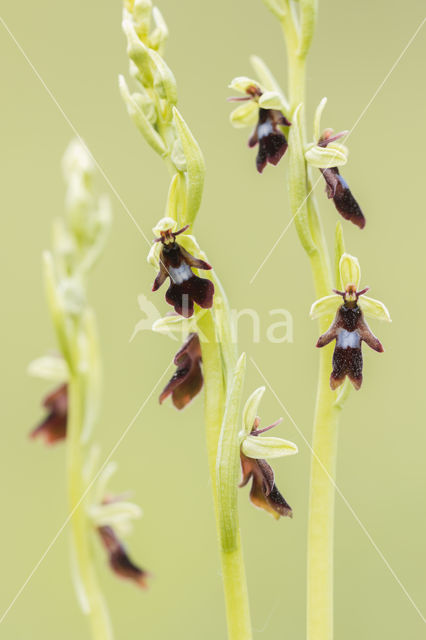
(153, 107)
(349, 328)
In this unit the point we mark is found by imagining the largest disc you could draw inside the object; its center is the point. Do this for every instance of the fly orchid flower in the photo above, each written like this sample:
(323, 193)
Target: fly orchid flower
(265, 108)
(187, 381)
(264, 492)
(54, 427)
(327, 155)
(119, 560)
(112, 516)
(177, 263)
(349, 327)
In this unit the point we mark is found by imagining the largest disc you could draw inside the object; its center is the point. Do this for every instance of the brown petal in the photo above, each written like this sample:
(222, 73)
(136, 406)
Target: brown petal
(338, 189)
(119, 561)
(264, 492)
(187, 380)
(54, 427)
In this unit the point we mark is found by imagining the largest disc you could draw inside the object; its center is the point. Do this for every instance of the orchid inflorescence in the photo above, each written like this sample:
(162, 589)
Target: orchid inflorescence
(73, 406)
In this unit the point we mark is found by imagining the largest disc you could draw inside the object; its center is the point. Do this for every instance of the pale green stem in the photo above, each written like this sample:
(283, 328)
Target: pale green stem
(322, 493)
(233, 571)
(81, 527)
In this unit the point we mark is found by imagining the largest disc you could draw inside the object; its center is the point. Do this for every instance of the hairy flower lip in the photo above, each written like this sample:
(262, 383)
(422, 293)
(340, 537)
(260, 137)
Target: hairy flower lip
(185, 287)
(263, 493)
(119, 560)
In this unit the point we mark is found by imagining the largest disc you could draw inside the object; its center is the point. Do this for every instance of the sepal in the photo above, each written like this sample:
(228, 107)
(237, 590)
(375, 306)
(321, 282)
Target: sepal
(268, 80)
(333, 155)
(245, 115)
(267, 447)
(175, 326)
(243, 84)
(350, 271)
(374, 309)
(271, 100)
(50, 367)
(250, 410)
(325, 306)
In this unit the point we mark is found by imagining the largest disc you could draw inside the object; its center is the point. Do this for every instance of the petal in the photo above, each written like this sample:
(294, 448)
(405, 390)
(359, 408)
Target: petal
(250, 410)
(174, 325)
(267, 79)
(245, 115)
(325, 306)
(374, 309)
(350, 270)
(267, 447)
(119, 560)
(51, 367)
(317, 119)
(272, 100)
(334, 155)
(242, 83)
(154, 254)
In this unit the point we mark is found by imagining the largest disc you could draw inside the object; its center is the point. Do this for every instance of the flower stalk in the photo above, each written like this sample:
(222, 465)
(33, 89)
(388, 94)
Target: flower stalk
(326, 417)
(349, 328)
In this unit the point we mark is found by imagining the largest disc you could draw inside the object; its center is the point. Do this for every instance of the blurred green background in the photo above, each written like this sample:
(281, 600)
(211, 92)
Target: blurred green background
(79, 50)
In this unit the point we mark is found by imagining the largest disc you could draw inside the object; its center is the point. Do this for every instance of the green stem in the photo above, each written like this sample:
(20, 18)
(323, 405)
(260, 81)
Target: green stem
(233, 571)
(81, 529)
(323, 466)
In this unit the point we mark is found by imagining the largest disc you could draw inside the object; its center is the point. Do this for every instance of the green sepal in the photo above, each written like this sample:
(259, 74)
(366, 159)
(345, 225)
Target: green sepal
(325, 306)
(374, 309)
(250, 410)
(49, 367)
(333, 155)
(267, 447)
(268, 80)
(350, 271)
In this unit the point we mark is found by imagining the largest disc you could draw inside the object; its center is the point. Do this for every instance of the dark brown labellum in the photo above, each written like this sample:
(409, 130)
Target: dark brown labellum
(349, 329)
(185, 287)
